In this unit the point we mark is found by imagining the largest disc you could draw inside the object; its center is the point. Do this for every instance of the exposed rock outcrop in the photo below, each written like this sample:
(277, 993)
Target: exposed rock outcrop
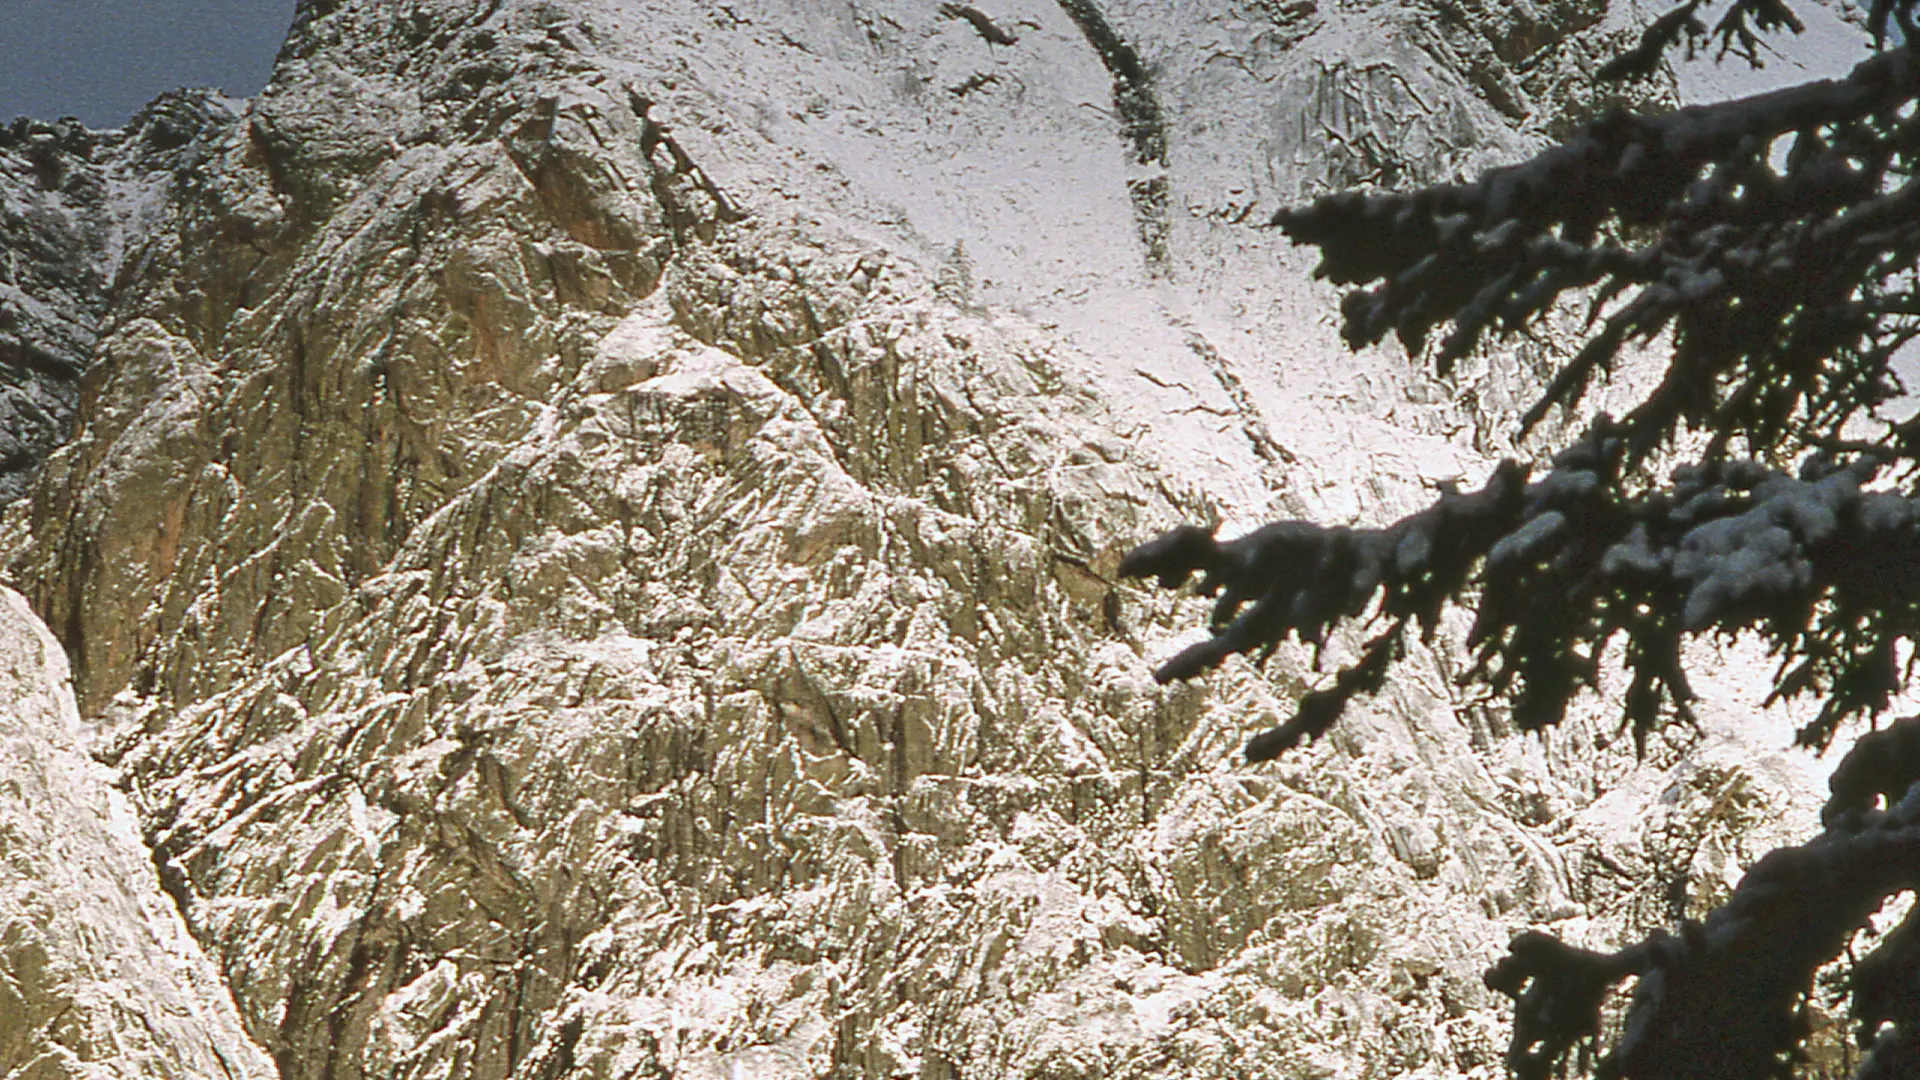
(98, 973)
(79, 210)
(591, 535)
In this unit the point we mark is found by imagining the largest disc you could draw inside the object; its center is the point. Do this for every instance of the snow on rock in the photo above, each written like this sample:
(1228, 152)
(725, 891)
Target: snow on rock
(592, 536)
(99, 975)
(76, 208)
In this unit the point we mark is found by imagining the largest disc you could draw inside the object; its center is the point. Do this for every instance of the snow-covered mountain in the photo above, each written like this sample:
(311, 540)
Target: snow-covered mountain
(587, 547)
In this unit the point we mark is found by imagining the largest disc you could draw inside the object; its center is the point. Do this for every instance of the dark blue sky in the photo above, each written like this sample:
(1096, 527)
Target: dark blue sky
(100, 60)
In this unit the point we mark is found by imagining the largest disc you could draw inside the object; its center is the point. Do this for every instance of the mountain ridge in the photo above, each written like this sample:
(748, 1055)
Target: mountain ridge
(590, 544)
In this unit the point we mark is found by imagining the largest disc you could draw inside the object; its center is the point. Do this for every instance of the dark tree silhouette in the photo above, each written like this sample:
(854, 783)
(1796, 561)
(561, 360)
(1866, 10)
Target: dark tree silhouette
(1774, 240)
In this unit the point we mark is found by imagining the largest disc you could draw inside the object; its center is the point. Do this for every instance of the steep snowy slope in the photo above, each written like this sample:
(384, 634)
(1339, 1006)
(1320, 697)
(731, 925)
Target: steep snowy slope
(590, 542)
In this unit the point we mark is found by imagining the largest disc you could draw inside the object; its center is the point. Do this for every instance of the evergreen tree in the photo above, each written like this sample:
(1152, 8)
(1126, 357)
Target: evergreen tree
(1770, 245)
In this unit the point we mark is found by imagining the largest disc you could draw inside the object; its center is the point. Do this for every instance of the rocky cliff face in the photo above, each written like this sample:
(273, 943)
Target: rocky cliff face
(77, 211)
(98, 976)
(588, 547)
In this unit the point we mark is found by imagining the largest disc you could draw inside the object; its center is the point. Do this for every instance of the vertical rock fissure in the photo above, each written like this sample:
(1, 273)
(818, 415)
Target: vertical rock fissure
(172, 879)
(1141, 122)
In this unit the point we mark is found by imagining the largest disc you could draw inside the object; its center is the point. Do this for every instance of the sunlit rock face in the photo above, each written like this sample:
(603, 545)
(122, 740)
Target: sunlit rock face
(590, 531)
(98, 974)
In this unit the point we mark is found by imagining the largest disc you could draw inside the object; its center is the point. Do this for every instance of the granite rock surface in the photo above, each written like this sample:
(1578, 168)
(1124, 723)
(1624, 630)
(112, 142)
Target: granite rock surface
(587, 548)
